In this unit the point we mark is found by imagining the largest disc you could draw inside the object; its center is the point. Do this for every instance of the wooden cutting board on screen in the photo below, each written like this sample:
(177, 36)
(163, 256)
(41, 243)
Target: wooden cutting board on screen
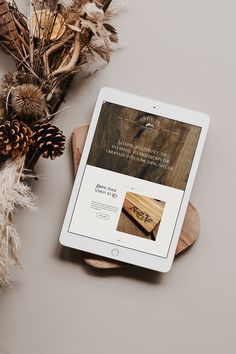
(146, 211)
(191, 226)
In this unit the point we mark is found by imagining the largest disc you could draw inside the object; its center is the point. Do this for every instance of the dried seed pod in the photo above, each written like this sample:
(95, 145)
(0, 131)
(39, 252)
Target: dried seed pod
(15, 138)
(48, 140)
(28, 102)
(11, 80)
(7, 83)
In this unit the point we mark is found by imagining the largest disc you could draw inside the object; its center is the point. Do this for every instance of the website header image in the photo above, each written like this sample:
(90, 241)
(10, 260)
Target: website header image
(143, 145)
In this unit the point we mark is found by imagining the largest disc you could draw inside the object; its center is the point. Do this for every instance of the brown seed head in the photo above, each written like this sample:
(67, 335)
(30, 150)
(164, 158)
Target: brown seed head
(11, 80)
(28, 101)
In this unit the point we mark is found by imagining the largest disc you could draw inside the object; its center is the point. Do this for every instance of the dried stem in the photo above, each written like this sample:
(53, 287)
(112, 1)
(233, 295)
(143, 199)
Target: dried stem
(106, 5)
(56, 101)
(75, 56)
(60, 79)
(53, 49)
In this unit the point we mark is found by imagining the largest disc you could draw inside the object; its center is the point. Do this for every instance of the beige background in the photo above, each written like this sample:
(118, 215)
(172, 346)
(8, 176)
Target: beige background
(182, 52)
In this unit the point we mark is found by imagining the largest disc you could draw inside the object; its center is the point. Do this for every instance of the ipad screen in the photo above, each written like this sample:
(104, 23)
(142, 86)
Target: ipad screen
(134, 180)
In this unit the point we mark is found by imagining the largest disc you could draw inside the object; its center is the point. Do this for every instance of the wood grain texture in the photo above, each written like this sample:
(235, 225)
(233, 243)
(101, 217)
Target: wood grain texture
(190, 229)
(77, 141)
(120, 145)
(146, 211)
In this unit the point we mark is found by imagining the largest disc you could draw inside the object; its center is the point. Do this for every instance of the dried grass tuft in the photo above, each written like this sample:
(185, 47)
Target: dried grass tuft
(14, 193)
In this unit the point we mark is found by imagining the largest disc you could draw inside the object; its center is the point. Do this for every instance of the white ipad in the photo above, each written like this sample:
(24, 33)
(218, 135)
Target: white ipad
(134, 181)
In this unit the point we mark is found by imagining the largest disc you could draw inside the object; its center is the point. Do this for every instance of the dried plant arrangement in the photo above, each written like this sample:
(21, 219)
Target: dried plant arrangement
(50, 46)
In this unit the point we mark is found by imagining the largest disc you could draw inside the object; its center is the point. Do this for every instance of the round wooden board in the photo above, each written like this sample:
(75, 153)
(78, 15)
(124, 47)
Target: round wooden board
(190, 229)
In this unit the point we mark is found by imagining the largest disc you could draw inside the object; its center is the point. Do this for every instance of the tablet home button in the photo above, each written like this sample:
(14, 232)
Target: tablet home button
(115, 252)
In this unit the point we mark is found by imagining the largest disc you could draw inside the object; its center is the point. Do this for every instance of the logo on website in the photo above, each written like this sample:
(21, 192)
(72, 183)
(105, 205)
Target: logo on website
(150, 122)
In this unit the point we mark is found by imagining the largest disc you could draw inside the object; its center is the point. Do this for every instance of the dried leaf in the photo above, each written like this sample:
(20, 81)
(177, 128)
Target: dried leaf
(99, 46)
(74, 28)
(88, 24)
(112, 33)
(48, 25)
(9, 36)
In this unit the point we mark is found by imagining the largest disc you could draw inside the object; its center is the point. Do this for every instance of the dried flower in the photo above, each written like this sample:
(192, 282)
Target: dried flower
(28, 101)
(10, 80)
(48, 25)
(49, 47)
(6, 85)
(48, 140)
(92, 12)
(15, 138)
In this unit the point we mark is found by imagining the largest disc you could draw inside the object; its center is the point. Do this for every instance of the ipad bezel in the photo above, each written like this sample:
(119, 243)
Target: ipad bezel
(122, 253)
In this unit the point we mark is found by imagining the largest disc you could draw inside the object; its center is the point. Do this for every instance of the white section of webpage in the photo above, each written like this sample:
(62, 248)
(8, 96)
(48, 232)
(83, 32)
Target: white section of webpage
(99, 204)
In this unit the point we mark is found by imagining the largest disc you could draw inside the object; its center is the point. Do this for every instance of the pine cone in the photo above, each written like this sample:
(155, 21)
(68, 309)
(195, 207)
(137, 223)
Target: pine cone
(2, 113)
(15, 138)
(49, 140)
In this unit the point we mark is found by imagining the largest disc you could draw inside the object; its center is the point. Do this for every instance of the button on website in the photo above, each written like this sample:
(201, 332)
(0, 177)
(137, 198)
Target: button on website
(102, 216)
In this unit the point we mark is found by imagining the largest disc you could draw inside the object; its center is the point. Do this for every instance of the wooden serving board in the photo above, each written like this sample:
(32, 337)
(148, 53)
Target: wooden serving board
(191, 226)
